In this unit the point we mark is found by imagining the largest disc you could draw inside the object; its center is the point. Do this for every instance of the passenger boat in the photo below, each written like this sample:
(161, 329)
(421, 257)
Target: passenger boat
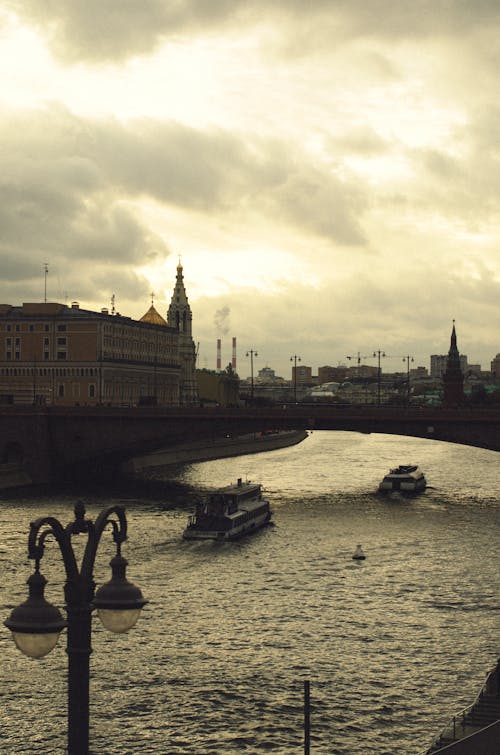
(406, 478)
(229, 513)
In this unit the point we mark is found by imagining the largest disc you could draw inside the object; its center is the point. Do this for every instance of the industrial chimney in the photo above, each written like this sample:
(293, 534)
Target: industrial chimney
(219, 355)
(233, 360)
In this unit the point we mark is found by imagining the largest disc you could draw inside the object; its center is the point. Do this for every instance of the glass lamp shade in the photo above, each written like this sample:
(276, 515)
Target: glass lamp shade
(36, 624)
(118, 602)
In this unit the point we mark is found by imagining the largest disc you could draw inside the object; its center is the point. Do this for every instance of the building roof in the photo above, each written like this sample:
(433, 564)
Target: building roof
(153, 317)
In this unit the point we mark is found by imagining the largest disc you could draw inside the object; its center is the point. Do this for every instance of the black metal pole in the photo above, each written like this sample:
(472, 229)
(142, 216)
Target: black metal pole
(408, 379)
(79, 592)
(78, 650)
(379, 377)
(251, 373)
(307, 718)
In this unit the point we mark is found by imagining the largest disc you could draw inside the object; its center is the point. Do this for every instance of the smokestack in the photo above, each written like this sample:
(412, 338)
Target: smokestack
(219, 356)
(233, 361)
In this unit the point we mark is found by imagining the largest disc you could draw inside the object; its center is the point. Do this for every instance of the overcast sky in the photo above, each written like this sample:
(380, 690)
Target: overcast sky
(328, 172)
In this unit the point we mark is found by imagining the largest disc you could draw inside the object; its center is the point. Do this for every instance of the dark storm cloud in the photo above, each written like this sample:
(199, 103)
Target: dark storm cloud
(65, 182)
(114, 30)
(55, 200)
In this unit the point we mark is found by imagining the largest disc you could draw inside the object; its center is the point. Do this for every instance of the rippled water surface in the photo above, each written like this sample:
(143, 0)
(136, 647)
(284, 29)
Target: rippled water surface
(392, 646)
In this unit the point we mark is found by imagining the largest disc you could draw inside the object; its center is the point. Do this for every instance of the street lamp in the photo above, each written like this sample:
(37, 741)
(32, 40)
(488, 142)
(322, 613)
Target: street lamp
(378, 353)
(251, 354)
(295, 359)
(36, 623)
(407, 359)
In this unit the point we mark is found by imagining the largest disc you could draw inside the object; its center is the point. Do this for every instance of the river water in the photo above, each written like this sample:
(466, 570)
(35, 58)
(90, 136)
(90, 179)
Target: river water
(392, 646)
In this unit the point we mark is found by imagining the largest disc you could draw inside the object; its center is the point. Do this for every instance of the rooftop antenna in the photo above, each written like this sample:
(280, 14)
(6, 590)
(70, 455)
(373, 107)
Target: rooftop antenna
(46, 272)
(112, 304)
(152, 298)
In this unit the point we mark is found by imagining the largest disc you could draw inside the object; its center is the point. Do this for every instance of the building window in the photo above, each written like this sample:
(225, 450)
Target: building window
(61, 328)
(46, 355)
(60, 390)
(46, 328)
(46, 341)
(18, 355)
(9, 328)
(61, 355)
(8, 355)
(9, 342)
(31, 328)
(18, 341)
(91, 390)
(18, 328)
(61, 342)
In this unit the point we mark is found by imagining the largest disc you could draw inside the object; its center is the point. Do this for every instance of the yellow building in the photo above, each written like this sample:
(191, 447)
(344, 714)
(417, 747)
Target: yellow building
(69, 356)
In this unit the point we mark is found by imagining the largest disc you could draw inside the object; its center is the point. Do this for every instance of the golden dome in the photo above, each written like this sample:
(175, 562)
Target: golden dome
(153, 317)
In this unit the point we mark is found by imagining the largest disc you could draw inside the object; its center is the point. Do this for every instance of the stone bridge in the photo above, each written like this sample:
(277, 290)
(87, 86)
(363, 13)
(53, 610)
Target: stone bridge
(53, 442)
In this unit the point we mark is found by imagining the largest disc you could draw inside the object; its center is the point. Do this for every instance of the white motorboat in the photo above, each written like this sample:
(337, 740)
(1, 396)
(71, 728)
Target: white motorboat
(407, 478)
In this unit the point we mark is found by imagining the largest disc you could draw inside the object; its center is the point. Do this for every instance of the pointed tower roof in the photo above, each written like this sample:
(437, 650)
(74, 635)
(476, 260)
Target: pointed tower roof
(453, 354)
(153, 317)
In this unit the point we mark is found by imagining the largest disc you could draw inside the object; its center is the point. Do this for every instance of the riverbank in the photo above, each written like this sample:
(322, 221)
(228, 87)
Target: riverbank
(190, 453)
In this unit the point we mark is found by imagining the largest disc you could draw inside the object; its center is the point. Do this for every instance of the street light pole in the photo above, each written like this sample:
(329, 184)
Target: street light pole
(295, 359)
(36, 624)
(378, 353)
(251, 354)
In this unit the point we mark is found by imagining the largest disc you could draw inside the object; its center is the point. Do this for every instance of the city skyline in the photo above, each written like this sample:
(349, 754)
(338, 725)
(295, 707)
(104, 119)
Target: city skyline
(327, 174)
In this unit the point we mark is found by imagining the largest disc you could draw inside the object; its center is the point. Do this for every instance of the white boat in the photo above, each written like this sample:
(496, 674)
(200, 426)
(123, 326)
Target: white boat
(229, 513)
(407, 478)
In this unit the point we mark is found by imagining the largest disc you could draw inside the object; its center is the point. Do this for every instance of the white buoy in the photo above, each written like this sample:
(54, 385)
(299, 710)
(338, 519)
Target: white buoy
(358, 554)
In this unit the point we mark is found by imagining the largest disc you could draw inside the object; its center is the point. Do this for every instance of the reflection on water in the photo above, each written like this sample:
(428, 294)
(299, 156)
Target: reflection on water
(392, 645)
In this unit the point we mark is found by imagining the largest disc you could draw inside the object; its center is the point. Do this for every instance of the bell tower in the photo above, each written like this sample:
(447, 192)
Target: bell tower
(179, 316)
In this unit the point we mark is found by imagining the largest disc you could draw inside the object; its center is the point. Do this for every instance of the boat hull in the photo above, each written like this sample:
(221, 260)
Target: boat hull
(400, 486)
(197, 533)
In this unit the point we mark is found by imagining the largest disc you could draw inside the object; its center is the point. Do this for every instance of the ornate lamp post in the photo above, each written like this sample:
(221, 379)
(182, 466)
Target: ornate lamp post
(251, 354)
(36, 623)
(295, 359)
(407, 359)
(378, 353)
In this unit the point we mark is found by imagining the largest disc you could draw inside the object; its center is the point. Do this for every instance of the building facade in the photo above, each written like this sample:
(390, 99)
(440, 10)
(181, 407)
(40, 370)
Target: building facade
(65, 355)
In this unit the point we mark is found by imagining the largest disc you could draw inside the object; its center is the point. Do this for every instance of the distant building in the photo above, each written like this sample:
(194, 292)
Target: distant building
(453, 378)
(266, 375)
(362, 371)
(331, 374)
(418, 372)
(301, 375)
(495, 366)
(439, 362)
(217, 388)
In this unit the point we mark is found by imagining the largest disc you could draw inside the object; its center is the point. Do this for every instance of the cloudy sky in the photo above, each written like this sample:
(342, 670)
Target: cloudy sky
(328, 172)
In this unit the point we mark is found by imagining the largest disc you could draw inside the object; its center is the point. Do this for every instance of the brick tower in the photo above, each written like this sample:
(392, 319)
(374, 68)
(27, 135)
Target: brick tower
(453, 379)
